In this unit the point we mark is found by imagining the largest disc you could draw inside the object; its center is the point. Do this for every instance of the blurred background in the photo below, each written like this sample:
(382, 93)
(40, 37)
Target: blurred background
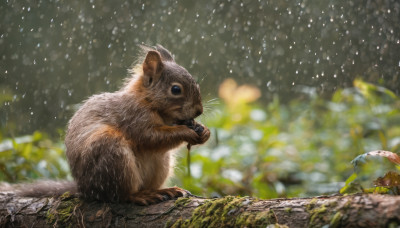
(294, 89)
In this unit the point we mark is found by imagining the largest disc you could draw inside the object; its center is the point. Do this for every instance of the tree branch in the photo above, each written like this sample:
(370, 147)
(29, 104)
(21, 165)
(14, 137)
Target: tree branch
(360, 210)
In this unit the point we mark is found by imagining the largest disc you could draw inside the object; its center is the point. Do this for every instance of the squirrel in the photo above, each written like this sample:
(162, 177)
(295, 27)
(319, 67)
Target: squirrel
(120, 145)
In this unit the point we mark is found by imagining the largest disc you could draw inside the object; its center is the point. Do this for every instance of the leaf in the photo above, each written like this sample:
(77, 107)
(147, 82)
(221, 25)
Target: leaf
(389, 155)
(393, 157)
(233, 94)
(350, 187)
(391, 179)
(367, 88)
(351, 178)
(377, 190)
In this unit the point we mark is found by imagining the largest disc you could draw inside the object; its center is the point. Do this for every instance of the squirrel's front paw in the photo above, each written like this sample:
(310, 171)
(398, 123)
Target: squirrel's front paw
(203, 134)
(199, 133)
(192, 137)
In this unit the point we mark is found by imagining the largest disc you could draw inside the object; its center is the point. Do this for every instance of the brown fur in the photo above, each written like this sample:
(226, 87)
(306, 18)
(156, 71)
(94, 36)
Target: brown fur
(119, 144)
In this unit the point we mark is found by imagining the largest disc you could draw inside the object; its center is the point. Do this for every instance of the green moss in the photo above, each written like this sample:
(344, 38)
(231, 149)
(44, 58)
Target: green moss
(206, 220)
(266, 217)
(232, 206)
(169, 223)
(227, 211)
(321, 215)
(288, 210)
(311, 205)
(276, 225)
(62, 212)
(393, 224)
(177, 224)
(333, 204)
(65, 196)
(335, 221)
(347, 205)
(182, 201)
(317, 214)
(244, 218)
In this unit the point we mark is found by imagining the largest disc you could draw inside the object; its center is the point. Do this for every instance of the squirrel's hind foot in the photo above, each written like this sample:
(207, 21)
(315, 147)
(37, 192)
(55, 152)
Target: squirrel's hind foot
(148, 197)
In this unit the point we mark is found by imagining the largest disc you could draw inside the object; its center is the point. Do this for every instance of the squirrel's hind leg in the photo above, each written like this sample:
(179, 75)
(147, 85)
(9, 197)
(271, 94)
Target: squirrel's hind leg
(147, 197)
(107, 170)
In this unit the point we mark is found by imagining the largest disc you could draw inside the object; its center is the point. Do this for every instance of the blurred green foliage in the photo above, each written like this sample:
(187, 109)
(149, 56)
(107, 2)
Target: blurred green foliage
(31, 157)
(299, 149)
(282, 150)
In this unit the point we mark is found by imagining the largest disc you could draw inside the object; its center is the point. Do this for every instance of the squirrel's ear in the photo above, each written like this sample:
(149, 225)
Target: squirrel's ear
(152, 67)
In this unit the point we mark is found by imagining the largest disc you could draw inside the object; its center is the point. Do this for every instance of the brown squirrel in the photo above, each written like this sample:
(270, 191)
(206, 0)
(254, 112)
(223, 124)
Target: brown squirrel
(119, 144)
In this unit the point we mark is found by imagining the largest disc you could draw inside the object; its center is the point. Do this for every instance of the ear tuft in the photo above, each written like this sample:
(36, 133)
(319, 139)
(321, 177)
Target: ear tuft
(152, 67)
(165, 54)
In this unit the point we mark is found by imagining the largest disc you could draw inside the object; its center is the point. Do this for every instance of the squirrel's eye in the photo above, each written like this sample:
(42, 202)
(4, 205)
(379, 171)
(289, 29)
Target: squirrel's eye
(176, 90)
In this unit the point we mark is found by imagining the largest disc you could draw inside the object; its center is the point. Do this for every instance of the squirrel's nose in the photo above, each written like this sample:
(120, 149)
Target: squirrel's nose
(199, 111)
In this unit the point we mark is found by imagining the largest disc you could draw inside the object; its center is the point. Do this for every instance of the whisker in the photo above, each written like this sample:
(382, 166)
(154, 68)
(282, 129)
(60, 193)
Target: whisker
(211, 104)
(212, 113)
(209, 109)
(200, 80)
(213, 101)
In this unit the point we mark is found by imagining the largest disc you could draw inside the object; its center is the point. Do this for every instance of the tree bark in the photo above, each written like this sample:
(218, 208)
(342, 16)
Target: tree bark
(360, 210)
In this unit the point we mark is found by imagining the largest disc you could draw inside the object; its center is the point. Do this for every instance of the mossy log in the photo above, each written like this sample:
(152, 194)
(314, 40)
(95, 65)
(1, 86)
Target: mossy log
(360, 210)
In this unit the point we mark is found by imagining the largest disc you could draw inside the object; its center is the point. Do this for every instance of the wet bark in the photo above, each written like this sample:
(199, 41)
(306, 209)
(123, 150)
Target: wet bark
(335, 211)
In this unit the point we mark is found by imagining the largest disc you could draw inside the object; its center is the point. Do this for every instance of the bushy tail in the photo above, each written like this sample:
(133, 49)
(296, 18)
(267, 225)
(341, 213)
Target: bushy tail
(42, 188)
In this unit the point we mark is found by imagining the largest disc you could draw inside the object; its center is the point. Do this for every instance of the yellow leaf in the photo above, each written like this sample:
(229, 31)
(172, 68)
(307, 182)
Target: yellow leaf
(233, 94)
(389, 155)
